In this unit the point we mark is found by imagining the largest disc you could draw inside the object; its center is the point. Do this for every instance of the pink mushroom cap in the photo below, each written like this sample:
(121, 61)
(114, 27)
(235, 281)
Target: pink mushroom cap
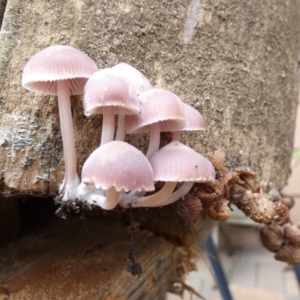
(118, 164)
(194, 120)
(137, 79)
(106, 88)
(57, 63)
(157, 106)
(62, 71)
(177, 162)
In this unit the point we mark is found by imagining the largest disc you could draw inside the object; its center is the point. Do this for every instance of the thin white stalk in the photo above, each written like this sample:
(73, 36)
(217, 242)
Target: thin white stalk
(97, 197)
(108, 125)
(176, 136)
(112, 199)
(156, 198)
(154, 140)
(121, 130)
(182, 191)
(71, 179)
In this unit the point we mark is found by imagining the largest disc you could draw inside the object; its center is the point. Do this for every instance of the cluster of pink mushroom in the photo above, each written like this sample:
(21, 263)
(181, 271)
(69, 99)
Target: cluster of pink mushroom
(117, 172)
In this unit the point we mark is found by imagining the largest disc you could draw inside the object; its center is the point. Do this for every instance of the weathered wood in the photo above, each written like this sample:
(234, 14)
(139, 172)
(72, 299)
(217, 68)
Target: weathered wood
(74, 261)
(2, 10)
(9, 220)
(234, 61)
(87, 259)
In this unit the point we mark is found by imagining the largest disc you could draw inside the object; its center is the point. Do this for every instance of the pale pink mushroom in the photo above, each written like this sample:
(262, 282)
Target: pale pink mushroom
(108, 93)
(117, 166)
(62, 71)
(194, 122)
(161, 111)
(172, 164)
(139, 82)
(137, 79)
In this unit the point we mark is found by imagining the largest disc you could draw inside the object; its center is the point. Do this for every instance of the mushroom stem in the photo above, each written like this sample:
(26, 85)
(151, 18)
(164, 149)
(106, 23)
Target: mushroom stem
(176, 136)
(71, 179)
(121, 130)
(112, 199)
(182, 191)
(154, 140)
(96, 196)
(108, 125)
(156, 198)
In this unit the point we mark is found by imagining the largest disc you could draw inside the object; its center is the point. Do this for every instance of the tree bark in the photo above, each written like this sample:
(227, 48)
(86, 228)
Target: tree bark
(234, 61)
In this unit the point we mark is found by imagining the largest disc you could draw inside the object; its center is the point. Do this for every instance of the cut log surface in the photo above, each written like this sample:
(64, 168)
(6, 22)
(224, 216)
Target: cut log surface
(87, 259)
(74, 261)
(236, 62)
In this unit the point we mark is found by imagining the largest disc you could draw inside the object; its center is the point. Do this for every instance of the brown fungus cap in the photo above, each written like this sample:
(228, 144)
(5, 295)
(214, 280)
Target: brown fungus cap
(57, 63)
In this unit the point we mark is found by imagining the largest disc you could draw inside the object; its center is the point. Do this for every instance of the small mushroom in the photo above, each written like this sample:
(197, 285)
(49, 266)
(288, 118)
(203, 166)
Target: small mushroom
(161, 110)
(62, 71)
(194, 122)
(139, 82)
(175, 163)
(137, 79)
(108, 93)
(190, 208)
(117, 167)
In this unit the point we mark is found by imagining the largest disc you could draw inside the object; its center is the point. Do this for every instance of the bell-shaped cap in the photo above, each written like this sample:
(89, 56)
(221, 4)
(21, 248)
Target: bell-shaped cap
(178, 162)
(106, 88)
(137, 79)
(157, 106)
(194, 120)
(120, 165)
(56, 63)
